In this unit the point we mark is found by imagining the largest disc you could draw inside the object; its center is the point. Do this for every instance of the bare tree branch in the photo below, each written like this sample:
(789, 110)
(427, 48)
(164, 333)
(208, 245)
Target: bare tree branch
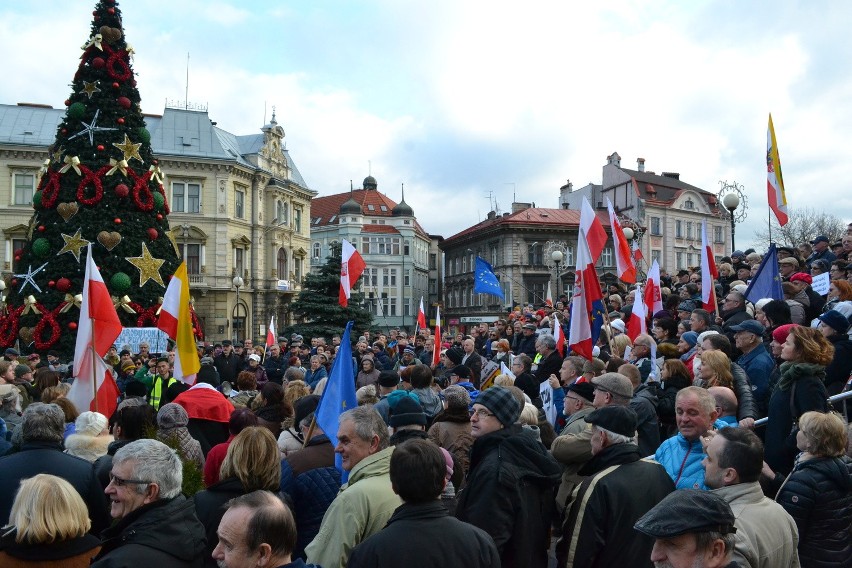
(805, 225)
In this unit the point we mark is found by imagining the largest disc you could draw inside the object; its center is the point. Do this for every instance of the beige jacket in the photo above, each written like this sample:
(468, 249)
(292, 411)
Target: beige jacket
(572, 448)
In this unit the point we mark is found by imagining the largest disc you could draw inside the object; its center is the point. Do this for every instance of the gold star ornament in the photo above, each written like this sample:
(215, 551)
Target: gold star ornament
(74, 244)
(90, 88)
(129, 149)
(149, 267)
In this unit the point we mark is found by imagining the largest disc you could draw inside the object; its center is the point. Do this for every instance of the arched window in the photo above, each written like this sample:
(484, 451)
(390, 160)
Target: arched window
(281, 264)
(317, 251)
(282, 213)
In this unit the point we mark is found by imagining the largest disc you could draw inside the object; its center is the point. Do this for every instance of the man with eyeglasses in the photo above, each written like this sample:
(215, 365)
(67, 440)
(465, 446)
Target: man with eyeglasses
(640, 355)
(515, 513)
(733, 313)
(155, 525)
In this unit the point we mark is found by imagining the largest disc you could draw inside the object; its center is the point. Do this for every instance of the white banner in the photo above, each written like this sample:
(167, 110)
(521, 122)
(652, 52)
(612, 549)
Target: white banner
(131, 337)
(546, 393)
(821, 283)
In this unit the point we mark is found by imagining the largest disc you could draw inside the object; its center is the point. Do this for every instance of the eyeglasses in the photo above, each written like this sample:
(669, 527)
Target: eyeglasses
(119, 482)
(482, 413)
(574, 398)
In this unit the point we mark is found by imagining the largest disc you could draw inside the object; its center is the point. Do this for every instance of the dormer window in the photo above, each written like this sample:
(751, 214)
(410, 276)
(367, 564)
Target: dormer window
(689, 204)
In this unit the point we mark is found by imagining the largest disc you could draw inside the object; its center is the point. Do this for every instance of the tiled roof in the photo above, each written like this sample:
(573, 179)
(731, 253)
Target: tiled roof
(534, 217)
(373, 204)
(390, 229)
(663, 189)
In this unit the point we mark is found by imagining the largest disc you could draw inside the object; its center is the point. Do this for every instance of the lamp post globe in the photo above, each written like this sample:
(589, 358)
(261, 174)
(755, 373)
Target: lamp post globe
(628, 233)
(731, 201)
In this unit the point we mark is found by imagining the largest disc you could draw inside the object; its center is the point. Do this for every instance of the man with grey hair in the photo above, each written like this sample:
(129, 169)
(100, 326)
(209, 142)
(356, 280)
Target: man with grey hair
(549, 359)
(154, 524)
(367, 500)
(592, 535)
(42, 428)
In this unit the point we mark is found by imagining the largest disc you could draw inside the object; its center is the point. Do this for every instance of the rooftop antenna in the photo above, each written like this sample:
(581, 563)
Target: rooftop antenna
(273, 113)
(514, 187)
(186, 92)
(264, 112)
(403, 192)
(369, 167)
(351, 187)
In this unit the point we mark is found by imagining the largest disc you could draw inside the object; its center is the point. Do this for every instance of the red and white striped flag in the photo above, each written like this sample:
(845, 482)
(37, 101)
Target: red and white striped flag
(436, 351)
(593, 230)
(421, 316)
(653, 290)
(709, 274)
(637, 323)
(623, 258)
(270, 333)
(559, 337)
(351, 267)
(637, 252)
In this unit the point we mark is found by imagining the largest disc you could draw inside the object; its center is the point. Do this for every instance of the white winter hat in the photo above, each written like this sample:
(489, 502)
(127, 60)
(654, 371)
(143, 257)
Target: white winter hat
(91, 423)
(255, 357)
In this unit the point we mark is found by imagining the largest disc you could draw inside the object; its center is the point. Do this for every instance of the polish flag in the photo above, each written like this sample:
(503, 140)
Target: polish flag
(559, 337)
(587, 309)
(625, 267)
(421, 316)
(436, 350)
(548, 298)
(593, 230)
(176, 320)
(637, 252)
(637, 323)
(270, 333)
(653, 295)
(94, 387)
(351, 267)
(709, 274)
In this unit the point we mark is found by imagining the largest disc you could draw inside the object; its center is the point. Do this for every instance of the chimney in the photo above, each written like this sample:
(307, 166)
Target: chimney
(614, 160)
(520, 206)
(567, 188)
(640, 164)
(491, 215)
(672, 175)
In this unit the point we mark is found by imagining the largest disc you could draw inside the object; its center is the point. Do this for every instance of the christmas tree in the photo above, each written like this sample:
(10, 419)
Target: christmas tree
(100, 185)
(317, 307)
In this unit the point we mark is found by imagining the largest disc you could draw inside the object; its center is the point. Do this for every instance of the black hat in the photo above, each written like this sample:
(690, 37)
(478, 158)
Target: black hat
(135, 388)
(820, 239)
(686, 306)
(12, 352)
(683, 273)
(124, 352)
(502, 404)
(406, 412)
(619, 419)
(388, 379)
(455, 355)
(835, 320)
(584, 389)
(302, 407)
(687, 511)
(461, 371)
(226, 342)
(531, 326)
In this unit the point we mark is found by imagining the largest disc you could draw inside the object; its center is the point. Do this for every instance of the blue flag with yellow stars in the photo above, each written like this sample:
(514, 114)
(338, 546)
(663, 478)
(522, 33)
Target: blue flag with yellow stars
(767, 282)
(339, 393)
(485, 281)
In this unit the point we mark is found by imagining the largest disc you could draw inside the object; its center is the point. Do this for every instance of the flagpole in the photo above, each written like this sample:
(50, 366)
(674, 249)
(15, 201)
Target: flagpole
(609, 332)
(769, 215)
(94, 367)
(310, 430)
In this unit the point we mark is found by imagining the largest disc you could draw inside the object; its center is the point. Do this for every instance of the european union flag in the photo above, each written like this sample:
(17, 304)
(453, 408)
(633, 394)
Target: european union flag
(484, 281)
(767, 282)
(339, 393)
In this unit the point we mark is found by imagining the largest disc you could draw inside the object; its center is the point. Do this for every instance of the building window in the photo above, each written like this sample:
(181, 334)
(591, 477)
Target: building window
(534, 255)
(569, 257)
(679, 260)
(464, 263)
(380, 245)
(655, 255)
(18, 245)
(689, 259)
(317, 251)
(297, 268)
(192, 255)
(281, 213)
(389, 306)
(406, 278)
(689, 204)
(433, 285)
(24, 187)
(689, 229)
(406, 308)
(607, 257)
(389, 277)
(457, 262)
(656, 226)
(239, 204)
(493, 256)
(433, 261)
(536, 292)
(718, 235)
(679, 229)
(297, 220)
(186, 197)
(281, 264)
(239, 262)
(405, 248)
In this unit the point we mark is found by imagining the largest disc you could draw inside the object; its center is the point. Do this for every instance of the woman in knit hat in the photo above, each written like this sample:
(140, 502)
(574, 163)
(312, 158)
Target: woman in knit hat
(834, 326)
(171, 425)
(91, 437)
(451, 427)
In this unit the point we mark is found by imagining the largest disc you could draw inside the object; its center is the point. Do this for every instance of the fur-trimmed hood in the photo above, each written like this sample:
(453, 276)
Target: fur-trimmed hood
(89, 448)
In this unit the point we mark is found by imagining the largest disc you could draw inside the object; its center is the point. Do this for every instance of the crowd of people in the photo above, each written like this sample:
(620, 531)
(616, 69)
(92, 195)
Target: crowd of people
(650, 452)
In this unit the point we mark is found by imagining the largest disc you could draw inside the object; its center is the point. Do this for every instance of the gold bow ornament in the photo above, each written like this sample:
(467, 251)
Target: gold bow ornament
(30, 305)
(71, 162)
(123, 303)
(120, 165)
(70, 302)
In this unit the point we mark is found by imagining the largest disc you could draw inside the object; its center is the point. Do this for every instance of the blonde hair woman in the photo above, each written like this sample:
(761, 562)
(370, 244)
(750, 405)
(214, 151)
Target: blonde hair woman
(48, 526)
(620, 344)
(716, 370)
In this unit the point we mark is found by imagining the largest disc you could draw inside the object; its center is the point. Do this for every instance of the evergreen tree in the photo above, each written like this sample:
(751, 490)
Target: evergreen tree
(317, 307)
(100, 185)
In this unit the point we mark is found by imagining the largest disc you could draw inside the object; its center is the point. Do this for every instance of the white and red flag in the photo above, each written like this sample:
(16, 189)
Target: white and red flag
(176, 321)
(653, 297)
(270, 333)
(709, 274)
(587, 309)
(624, 264)
(637, 252)
(94, 387)
(593, 230)
(436, 350)
(774, 180)
(351, 267)
(637, 324)
(559, 337)
(421, 316)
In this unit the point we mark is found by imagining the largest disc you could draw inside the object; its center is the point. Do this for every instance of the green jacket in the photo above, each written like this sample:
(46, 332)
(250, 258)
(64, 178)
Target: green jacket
(361, 509)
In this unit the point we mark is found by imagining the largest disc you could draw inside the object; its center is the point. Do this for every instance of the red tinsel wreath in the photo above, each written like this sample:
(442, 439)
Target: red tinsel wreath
(147, 316)
(48, 319)
(124, 72)
(95, 179)
(9, 326)
(196, 324)
(142, 196)
(50, 189)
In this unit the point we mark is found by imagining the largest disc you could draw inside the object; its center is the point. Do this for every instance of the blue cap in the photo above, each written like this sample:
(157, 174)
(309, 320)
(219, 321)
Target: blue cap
(752, 326)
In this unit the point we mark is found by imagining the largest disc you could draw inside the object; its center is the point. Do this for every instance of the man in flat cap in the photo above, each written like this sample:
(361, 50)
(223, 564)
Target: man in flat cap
(592, 535)
(693, 529)
(509, 489)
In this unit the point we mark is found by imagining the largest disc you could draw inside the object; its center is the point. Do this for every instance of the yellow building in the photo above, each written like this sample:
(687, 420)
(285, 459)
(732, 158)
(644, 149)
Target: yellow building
(240, 210)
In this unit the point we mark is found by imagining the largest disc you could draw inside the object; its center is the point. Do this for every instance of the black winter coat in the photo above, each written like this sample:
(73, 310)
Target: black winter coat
(228, 367)
(431, 538)
(837, 372)
(510, 493)
(275, 368)
(46, 457)
(103, 465)
(162, 534)
(210, 508)
(598, 528)
(746, 408)
(524, 344)
(818, 495)
(549, 365)
(644, 404)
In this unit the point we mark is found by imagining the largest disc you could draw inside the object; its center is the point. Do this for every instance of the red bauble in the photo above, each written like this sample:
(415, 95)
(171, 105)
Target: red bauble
(159, 216)
(155, 162)
(100, 147)
(120, 120)
(117, 221)
(98, 62)
(64, 131)
(124, 102)
(133, 82)
(122, 190)
(67, 102)
(52, 283)
(14, 281)
(63, 284)
(153, 234)
(17, 259)
(115, 85)
(72, 325)
(94, 12)
(111, 10)
(42, 228)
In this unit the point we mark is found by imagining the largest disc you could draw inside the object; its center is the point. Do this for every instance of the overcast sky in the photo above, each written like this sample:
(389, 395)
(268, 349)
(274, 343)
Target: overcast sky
(460, 100)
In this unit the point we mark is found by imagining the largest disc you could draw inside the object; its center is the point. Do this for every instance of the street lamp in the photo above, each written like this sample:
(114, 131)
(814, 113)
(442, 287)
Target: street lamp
(628, 234)
(734, 200)
(731, 201)
(557, 256)
(238, 283)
